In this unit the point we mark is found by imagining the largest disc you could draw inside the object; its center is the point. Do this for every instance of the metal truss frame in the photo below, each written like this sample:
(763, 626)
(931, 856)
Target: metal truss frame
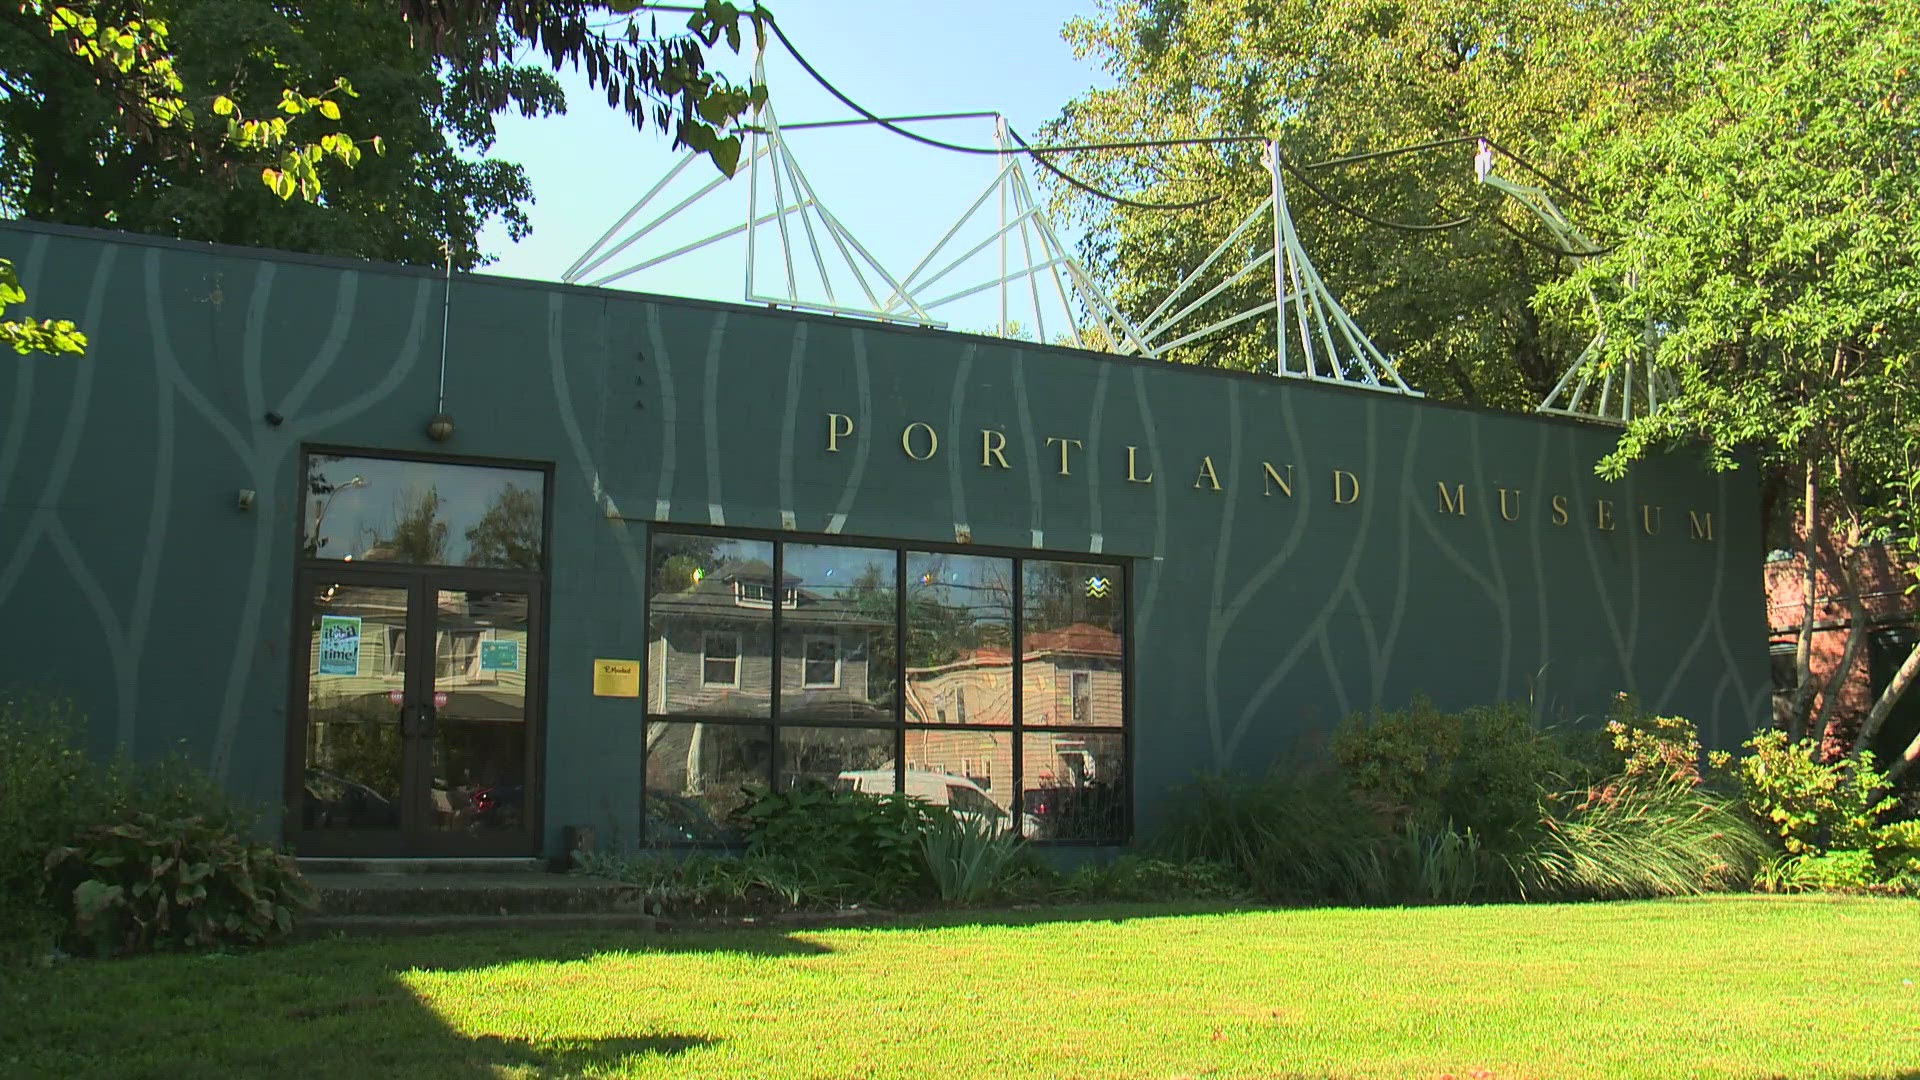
(1588, 389)
(1035, 272)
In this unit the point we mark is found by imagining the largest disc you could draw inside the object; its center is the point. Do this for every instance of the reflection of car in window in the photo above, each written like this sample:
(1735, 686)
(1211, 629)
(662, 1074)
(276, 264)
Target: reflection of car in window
(680, 820)
(335, 802)
(959, 794)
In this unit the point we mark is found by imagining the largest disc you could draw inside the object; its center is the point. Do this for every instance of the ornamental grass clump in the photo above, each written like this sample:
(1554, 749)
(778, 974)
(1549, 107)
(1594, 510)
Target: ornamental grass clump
(1637, 837)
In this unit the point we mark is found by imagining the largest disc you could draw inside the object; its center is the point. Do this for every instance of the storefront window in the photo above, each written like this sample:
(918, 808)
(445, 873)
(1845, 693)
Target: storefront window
(993, 646)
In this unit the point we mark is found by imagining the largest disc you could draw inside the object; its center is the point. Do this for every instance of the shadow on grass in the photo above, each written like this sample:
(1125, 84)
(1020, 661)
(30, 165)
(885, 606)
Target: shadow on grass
(356, 1007)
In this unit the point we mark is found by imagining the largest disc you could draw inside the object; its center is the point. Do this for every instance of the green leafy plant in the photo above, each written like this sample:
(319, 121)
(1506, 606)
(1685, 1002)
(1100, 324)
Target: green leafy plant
(1287, 835)
(1479, 769)
(1439, 865)
(52, 795)
(150, 883)
(1658, 747)
(1144, 879)
(1813, 806)
(875, 839)
(966, 854)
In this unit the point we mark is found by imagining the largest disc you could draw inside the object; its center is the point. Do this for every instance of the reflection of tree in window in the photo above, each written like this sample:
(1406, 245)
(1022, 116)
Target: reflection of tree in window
(418, 535)
(508, 534)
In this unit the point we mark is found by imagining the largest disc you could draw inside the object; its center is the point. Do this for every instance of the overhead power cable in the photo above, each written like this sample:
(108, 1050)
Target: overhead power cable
(1299, 172)
(960, 149)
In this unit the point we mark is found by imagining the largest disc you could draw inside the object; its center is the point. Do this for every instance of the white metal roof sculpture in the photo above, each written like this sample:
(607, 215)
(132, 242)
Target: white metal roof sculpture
(1044, 291)
(1589, 389)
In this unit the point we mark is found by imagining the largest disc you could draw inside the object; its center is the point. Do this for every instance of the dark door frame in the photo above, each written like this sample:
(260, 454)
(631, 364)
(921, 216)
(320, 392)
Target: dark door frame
(422, 582)
(415, 835)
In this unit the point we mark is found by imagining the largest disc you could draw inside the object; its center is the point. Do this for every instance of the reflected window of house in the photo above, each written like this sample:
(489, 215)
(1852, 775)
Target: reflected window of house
(392, 510)
(822, 661)
(720, 659)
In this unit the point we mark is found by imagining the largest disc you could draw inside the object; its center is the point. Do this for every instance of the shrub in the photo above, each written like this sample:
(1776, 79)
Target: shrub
(872, 843)
(46, 792)
(1477, 770)
(703, 881)
(1438, 865)
(1144, 879)
(1810, 805)
(53, 797)
(1657, 747)
(164, 883)
(1289, 835)
(966, 854)
(1636, 837)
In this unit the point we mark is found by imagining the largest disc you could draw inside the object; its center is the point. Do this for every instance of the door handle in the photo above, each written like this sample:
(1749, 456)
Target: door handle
(416, 721)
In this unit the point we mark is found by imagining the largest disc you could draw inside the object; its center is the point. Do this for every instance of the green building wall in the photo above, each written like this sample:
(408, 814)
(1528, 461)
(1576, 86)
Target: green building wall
(130, 580)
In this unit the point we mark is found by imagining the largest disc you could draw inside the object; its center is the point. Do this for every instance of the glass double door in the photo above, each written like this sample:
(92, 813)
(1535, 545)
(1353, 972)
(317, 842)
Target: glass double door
(417, 722)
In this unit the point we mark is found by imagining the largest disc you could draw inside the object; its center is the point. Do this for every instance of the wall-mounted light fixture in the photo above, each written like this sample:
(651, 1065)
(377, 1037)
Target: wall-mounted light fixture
(244, 501)
(440, 428)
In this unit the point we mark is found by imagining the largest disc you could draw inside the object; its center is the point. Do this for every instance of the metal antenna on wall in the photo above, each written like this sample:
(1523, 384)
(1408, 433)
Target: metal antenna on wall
(1587, 389)
(440, 425)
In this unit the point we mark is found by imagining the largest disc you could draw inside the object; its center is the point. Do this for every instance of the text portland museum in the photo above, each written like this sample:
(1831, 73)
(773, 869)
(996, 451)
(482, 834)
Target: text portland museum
(667, 549)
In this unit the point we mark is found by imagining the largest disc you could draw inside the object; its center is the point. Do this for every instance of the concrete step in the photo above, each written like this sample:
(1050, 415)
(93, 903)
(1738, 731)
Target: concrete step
(327, 865)
(366, 925)
(485, 894)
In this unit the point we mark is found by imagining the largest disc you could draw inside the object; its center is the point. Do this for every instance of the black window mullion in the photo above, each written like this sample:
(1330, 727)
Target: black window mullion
(779, 665)
(900, 669)
(1126, 695)
(1015, 666)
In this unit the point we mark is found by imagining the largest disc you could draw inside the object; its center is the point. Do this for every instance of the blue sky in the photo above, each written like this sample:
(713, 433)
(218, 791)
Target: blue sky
(896, 197)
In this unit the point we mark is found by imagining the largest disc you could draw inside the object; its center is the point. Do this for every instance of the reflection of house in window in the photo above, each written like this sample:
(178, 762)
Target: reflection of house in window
(397, 651)
(458, 653)
(720, 659)
(712, 645)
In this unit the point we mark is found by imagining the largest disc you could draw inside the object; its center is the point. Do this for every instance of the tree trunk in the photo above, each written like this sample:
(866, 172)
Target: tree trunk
(1837, 682)
(1903, 678)
(1802, 702)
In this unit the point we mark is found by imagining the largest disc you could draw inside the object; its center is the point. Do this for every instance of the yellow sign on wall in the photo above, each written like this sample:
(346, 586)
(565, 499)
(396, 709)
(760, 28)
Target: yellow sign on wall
(616, 678)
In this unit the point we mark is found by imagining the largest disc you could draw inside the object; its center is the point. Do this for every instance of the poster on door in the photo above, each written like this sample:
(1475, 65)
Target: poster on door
(339, 645)
(500, 655)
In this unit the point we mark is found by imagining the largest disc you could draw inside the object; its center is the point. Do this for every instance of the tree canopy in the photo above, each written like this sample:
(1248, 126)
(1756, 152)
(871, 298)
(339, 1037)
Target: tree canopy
(155, 115)
(1747, 166)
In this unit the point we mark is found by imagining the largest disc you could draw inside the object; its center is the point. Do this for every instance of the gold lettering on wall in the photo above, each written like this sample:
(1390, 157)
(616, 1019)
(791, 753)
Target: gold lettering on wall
(906, 440)
(1514, 513)
(1346, 487)
(1272, 478)
(1603, 514)
(836, 431)
(1453, 502)
(1133, 474)
(1650, 519)
(1559, 509)
(1207, 475)
(1064, 443)
(1698, 527)
(993, 447)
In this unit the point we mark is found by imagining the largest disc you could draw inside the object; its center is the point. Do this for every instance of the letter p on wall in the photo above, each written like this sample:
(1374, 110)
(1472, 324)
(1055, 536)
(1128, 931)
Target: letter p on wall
(839, 426)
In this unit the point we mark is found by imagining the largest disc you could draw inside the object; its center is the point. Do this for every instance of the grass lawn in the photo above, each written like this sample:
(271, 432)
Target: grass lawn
(1726, 987)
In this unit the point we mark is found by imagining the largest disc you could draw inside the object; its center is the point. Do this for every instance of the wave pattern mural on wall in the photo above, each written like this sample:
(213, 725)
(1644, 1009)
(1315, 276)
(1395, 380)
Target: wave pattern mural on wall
(1297, 550)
